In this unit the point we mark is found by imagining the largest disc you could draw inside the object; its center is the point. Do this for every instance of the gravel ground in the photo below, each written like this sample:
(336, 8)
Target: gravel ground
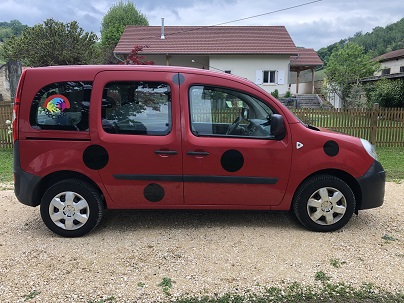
(130, 253)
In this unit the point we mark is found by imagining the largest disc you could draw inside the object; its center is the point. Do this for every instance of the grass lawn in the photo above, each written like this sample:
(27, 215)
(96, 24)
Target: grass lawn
(6, 165)
(392, 159)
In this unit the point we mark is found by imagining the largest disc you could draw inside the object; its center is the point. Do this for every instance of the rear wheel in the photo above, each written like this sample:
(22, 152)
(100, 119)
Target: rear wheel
(71, 208)
(324, 203)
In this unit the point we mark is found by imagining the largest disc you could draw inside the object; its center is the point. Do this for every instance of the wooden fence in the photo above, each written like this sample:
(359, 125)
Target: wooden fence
(6, 113)
(382, 127)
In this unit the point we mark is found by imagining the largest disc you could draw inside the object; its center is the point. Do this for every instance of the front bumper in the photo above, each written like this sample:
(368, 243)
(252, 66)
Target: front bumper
(372, 185)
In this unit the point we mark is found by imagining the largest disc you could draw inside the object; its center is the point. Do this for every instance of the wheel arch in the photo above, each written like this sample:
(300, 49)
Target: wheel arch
(344, 176)
(52, 178)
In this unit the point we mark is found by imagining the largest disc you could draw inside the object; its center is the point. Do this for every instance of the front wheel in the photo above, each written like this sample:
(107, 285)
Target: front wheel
(324, 203)
(71, 208)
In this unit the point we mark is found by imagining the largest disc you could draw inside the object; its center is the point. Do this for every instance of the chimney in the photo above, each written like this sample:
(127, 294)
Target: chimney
(162, 29)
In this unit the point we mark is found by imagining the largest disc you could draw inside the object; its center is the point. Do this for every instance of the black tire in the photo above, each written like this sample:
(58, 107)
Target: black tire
(324, 203)
(71, 208)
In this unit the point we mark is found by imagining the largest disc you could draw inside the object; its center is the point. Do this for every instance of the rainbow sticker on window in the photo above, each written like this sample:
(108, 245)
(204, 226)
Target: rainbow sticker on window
(56, 103)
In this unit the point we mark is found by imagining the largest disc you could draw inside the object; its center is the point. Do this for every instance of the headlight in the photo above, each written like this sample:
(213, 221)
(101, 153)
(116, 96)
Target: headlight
(369, 148)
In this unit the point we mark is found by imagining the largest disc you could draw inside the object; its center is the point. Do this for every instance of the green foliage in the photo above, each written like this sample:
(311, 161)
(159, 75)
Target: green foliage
(275, 93)
(52, 43)
(118, 17)
(166, 285)
(288, 94)
(379, 41)
(321, 276)
(10, 29)
(6, 165)
(392, 159)
(386, 92)
(298, 293)
(347, 65)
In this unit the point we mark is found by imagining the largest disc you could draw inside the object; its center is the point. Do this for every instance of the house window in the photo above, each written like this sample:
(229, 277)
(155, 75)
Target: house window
(269, 76)
(386, 71)
(401, 69)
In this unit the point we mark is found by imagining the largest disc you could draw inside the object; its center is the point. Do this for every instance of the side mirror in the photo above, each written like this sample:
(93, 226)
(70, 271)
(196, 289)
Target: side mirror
(277, 127)
(245, 113)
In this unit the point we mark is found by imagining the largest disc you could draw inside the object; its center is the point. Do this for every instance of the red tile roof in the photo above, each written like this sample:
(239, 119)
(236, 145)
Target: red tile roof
(391, 55)
(306, 57)
(208, 40)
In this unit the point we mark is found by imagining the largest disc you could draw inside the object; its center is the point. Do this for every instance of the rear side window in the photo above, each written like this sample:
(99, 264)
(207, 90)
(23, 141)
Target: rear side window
(137, 108)
(62, 106)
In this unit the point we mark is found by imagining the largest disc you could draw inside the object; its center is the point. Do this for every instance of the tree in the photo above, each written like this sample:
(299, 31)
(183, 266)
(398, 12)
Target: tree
(12, 28)
(118, 17)
(135, 59)
(52, 43)
(346, 66)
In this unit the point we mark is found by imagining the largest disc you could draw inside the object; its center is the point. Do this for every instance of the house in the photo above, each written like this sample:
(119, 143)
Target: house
(261, 54)
(392, 64)
(306, 60)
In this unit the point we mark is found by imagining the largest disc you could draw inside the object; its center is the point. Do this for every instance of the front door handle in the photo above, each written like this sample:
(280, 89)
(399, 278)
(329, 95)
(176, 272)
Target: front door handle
(165, 152)
(197, 153)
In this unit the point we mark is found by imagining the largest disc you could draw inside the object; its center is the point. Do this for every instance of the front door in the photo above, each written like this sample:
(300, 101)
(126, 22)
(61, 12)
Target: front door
(138, 128)
(230, 156)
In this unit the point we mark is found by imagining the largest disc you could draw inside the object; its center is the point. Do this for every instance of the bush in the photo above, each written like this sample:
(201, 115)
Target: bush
(288, 94)
(275, 93)
(388, 93)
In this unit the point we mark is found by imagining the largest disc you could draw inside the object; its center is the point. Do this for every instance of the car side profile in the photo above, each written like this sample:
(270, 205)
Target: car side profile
(90, 138)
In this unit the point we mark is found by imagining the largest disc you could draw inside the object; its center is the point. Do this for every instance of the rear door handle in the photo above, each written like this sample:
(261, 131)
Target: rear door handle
(165, 152)
(196, 153)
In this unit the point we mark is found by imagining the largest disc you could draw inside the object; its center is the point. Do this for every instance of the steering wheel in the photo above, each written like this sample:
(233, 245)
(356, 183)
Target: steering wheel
(234, 125)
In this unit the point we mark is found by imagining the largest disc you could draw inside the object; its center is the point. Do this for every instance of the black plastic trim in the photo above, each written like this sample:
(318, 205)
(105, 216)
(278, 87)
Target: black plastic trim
(199, 179)
(25, 184)
(372, 185)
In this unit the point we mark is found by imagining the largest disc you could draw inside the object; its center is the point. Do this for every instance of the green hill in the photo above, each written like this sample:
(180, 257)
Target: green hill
(378, 42)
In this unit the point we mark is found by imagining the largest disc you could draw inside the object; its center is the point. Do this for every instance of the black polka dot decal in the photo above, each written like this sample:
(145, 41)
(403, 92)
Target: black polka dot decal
(232, 160)
(95, 157)
(154, 192)
(178, 79)
(331, 148)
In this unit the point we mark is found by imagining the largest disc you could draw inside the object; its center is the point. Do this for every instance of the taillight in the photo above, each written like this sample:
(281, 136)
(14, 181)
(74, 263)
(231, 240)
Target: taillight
(15, 119)
(16, 109)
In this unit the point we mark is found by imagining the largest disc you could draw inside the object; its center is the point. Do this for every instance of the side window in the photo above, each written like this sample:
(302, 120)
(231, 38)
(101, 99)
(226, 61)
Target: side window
(219, 111)
(62, 106)
(136, 108)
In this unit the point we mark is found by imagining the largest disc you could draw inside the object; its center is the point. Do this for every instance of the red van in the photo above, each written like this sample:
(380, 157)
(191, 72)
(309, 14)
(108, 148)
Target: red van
(90, 138)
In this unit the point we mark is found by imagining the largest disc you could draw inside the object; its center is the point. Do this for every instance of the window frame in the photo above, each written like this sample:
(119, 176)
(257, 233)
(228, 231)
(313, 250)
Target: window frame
(269, 72)
(81, 126)
(255, 100)
(110, 127)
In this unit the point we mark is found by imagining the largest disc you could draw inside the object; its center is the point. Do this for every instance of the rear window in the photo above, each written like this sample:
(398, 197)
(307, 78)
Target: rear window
(62, 106)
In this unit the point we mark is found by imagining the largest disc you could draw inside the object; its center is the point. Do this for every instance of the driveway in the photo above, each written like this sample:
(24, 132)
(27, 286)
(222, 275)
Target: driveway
(131, 252)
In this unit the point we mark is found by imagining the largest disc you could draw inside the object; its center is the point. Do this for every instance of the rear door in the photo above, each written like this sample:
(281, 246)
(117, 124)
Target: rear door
(137, 130)
(230, 157)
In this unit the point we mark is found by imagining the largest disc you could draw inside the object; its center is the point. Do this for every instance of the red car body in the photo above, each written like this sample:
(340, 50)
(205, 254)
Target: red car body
(171, 165)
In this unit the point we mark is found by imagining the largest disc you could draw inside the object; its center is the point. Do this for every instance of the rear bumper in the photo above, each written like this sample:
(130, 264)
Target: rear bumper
(25, 184)
(372, 185)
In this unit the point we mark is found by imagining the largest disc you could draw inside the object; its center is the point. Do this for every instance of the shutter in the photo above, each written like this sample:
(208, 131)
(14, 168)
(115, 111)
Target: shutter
(281, 77)
(258, 77)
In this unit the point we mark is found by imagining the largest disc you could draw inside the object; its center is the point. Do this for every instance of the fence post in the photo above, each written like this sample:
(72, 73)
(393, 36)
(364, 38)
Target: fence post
(373, 123)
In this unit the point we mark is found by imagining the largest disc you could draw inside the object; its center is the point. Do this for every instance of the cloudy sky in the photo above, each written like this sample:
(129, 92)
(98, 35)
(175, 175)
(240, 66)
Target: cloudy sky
(311, 23)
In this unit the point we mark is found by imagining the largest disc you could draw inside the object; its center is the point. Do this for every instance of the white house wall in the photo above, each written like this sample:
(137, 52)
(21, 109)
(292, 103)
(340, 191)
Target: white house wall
(241, 65)
(251, 67)
(393, 64)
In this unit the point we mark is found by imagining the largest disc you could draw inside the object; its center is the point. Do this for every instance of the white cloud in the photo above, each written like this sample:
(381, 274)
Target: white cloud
(315, 25)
